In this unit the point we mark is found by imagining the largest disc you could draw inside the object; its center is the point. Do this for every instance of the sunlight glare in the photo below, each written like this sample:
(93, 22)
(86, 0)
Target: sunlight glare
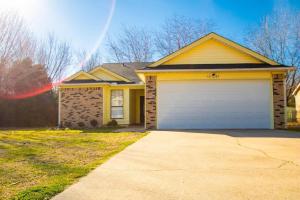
(25, 8)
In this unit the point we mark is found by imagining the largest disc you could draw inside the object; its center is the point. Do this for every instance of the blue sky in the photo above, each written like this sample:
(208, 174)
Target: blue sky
(82, 22)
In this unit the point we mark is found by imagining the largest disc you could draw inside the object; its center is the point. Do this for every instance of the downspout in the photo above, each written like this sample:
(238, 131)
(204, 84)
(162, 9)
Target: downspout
(59, 97)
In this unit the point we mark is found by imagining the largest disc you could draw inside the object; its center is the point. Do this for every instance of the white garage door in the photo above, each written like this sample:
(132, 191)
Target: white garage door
(214, 104)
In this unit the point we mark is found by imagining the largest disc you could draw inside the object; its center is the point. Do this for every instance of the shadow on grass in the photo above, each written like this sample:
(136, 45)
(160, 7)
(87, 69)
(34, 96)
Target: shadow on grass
(39, 129)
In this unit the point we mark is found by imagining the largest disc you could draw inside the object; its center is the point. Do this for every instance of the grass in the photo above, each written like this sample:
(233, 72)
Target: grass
(37, 164)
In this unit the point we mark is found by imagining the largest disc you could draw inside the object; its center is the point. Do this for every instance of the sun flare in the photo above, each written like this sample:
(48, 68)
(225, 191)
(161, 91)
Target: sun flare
(24, 8)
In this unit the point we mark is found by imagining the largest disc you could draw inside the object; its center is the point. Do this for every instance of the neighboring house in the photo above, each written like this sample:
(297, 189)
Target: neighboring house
(296, 94)
(213, 83)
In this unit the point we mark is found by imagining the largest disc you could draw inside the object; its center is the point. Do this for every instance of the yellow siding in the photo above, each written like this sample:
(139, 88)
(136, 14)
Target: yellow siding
(132, 106)
(82, 77)
(212, 52)
(105, 76)
(138, 94)
(297, 101)
(208, 75)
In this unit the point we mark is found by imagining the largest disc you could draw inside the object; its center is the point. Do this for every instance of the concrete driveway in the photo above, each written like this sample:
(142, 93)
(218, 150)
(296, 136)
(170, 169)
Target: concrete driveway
(245, 164)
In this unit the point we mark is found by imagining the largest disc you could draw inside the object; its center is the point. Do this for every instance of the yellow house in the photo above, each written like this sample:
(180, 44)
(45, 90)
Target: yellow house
(213, 83)
(296, 94)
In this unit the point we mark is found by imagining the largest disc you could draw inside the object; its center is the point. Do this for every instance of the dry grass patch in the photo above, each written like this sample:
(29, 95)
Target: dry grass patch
(37, 164)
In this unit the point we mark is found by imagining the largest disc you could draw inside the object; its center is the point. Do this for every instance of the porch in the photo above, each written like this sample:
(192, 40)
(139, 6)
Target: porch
(136, 107)
(125, 105)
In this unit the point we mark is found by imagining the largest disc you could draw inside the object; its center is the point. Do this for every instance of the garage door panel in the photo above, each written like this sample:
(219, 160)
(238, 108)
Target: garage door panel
(214, 104)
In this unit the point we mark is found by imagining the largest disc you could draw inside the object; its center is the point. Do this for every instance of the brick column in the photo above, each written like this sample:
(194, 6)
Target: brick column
(279, 101)
(150, 102)
(81, 107)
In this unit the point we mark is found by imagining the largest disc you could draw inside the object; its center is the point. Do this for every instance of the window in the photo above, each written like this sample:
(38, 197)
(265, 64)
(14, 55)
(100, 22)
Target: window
(117, 111)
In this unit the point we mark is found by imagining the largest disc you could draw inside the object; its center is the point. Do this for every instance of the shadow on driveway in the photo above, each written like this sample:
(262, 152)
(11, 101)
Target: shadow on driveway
(247, 133)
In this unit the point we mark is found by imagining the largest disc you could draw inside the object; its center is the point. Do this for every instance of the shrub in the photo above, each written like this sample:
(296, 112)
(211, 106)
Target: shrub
(81, 124)
(67, 124)
(112, 123)
(94, 123)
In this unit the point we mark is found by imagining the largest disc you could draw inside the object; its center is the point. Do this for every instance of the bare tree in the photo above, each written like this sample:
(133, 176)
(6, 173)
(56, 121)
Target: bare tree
(132, 45)
(278, 37)
(178, 31)
(89, 61)
(16, 41)
(55, 55)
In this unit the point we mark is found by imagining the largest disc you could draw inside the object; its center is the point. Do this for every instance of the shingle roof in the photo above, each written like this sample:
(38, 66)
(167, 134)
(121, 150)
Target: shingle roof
(126, 70)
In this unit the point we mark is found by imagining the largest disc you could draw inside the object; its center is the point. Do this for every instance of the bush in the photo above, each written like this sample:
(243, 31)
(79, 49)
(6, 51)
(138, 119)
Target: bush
(67, 124)
(112, 123)
(81, 124)
(94, 123)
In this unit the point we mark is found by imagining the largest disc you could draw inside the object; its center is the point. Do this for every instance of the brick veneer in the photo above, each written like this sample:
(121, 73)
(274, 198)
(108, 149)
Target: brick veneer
(150, 102)
(81, 107)
(278, 101)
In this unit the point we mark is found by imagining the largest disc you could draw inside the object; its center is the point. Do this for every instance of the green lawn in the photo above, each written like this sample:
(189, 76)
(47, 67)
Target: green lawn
(37, 164)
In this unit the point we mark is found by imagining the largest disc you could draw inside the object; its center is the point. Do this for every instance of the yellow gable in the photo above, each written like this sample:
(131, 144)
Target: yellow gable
(97, 74)
(82, 77)
(104, 75)
(107, 75)
(212, 52)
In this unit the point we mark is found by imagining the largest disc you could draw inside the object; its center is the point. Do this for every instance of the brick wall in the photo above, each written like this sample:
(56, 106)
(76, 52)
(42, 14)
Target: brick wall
(278, 101)
(81, 107)
(150, 102)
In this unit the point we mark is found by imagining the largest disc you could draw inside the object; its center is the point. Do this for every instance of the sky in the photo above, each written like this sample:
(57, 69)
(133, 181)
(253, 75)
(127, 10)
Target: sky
(85, 23)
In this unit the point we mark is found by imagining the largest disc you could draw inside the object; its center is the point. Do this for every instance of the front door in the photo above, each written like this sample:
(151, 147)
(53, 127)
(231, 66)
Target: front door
(142, 109)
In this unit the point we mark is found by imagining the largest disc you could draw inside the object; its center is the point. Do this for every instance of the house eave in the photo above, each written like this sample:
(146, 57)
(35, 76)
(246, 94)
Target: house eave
(70, 85)
(213, 70)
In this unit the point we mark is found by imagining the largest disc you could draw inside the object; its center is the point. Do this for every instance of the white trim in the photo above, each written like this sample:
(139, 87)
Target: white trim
(82, 84)
(98, 84)
(284, 102)
(209, 70)
(116, 85)
(145, 110)
(59, 107)
(272, 103)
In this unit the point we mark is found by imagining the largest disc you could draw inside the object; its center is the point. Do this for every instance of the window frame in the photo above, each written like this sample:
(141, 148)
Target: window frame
(111, 104)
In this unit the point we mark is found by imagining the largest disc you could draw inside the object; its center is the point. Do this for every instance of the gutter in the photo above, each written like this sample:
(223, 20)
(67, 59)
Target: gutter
(98, 84)
(214, 70)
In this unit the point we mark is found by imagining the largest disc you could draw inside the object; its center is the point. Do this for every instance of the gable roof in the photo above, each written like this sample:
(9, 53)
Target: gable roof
(220, 39)
(82, 73)
(111, 74)
(126, 69)
(124, 72)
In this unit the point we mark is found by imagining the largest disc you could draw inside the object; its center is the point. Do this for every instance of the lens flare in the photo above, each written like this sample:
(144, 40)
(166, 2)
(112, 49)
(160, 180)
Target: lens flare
(31, 93)
(70, 68)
